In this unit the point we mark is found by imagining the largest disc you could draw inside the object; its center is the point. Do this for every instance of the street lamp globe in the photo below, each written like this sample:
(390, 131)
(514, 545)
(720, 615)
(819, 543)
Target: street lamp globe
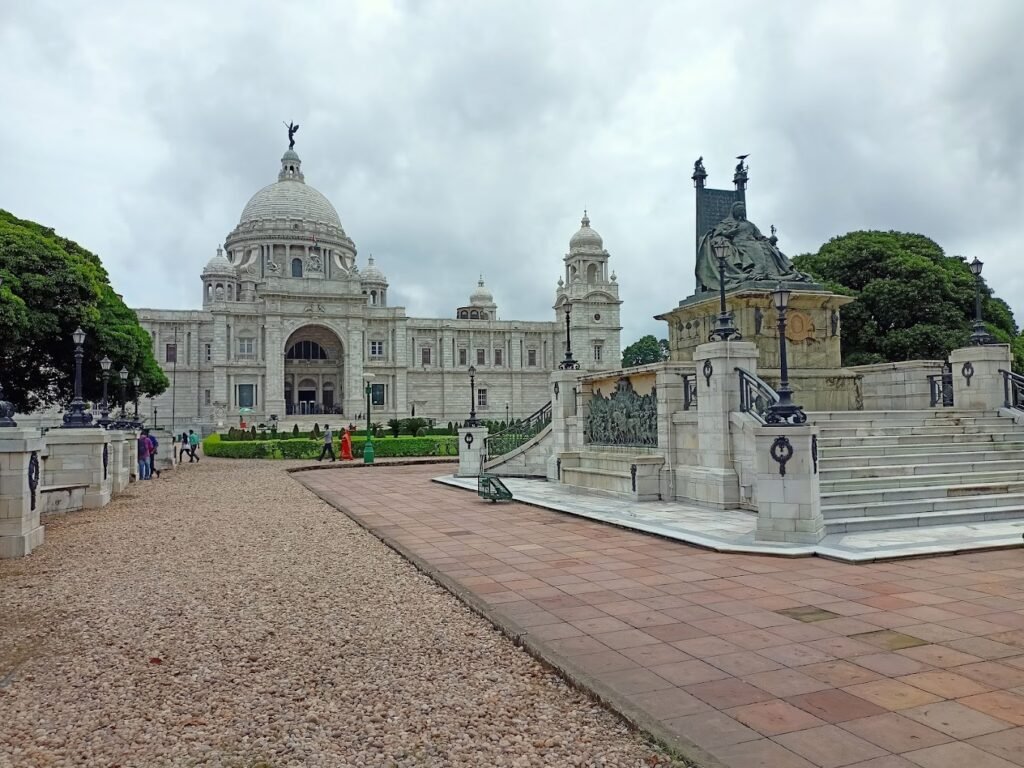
(78, 336)
(136, 381)
(105, 363)
(781, 297)
(976, 266)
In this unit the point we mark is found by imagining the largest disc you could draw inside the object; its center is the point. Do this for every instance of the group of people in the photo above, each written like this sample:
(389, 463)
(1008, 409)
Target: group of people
(189, 446)
(328, 449)
(147, 446)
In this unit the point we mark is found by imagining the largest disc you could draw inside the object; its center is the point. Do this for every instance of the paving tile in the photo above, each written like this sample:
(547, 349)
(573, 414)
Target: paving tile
(554, 631)
(786, 682)
(762, 753)
(677, 631)
(577, 646)
(604, 661)
(730, 692)
(956, 755)
(774, 717)
(889, 761)
(984, 648)
(892, 694)
(626, 638)
(703, 647)
(999, 704)
(889, 639)
(843, 647)
(1008, 745)
(654, 654)
(808, 613)
(635, 680)
(835, 706)
(796, 654)
(711, 729)
(829, 746)
(743, 663)
(955, 719)
(600, 624)
(668, 703)
(896, 733)
(933, 633)
(839, 673)
(944, 683)
(688, 672)
(995, 674)
(938, 656)
(889, 664)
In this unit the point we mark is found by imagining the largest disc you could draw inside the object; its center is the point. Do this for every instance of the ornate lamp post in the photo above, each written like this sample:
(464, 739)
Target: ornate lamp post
(104, 419)
(368, 448)
(569, 364)
(724, 330)
(785, 411)
(506, 413)
(137, 381)
(979, 335)
(472, 421)
(77, 416)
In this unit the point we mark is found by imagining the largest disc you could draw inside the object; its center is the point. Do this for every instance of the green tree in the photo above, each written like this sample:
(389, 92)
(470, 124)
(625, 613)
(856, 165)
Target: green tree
(646, 349)
(52, 285)
(913, 301)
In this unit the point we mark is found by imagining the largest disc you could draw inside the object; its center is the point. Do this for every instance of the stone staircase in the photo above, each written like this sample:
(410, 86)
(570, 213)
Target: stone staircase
(898, 469)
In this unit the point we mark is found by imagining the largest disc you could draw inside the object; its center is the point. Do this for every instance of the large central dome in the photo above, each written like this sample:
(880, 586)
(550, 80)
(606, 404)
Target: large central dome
(290, 197)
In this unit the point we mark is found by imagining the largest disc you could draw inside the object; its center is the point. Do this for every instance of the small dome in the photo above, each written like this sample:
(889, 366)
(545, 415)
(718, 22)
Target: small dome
(219, 265)
(586, 239)
(371, 274)
(481, 296)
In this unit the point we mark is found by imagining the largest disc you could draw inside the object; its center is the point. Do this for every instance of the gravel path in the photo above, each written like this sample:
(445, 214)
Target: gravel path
(224, 616)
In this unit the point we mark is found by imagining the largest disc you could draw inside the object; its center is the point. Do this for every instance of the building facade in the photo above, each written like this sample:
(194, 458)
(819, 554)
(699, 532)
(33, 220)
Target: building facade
(291, 326)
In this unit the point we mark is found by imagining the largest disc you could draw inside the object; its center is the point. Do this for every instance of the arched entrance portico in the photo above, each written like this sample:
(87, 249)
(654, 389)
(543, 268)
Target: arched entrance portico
(314, 371)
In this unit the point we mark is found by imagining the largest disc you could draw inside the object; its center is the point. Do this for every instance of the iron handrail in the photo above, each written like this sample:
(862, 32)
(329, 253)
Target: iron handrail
(518, 433)
(1013, 390)
(940, 389)
(756, 395)
(689, 391)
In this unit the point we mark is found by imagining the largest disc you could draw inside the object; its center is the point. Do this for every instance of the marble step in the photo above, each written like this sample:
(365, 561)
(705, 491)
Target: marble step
(851, 459)
(936, 439)
(853, 478)
(926, 519)
(997, 426)
(962, 450)
(936, 503)
(944, 489)
(881, 417)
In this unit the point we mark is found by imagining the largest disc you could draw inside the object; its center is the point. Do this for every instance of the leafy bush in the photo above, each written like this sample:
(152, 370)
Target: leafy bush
(412, 426)
(395, 426)
(421, 432)
(295, 430)
(305, 448)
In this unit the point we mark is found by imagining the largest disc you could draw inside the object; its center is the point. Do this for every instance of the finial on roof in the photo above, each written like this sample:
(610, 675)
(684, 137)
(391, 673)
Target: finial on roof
(585, 221)
(480, 282)
(220, 251)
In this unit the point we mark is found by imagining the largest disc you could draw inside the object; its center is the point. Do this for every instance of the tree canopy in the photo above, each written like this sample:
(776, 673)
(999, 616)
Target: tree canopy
(913, 301)
(51, 285)
(646, 349)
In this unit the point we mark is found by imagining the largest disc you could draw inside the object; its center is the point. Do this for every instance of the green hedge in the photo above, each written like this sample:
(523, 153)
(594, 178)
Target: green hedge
(389, 447)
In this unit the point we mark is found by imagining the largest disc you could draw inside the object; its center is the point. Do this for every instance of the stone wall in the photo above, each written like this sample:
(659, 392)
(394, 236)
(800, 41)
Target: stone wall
(901, 386)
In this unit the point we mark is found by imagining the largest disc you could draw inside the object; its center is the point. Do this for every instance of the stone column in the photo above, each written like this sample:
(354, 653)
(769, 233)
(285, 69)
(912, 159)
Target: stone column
(471, 449)
(274, 370)
(788, 495)
(714, 481)
(977, 382)
(20, 531)
(118, 447)
(566, 422)
(81, 457)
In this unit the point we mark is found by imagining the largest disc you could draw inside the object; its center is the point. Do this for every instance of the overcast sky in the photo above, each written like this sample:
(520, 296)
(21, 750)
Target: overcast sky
(457, 138)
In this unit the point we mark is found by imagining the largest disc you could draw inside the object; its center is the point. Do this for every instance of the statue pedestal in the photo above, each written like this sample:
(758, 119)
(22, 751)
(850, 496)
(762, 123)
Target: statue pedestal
(812, 333)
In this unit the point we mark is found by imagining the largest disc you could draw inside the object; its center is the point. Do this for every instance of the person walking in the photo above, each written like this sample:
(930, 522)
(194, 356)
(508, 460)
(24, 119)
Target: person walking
(193, 444)
(143, 449)
(183, 447)
(154, 444)
(328, 444)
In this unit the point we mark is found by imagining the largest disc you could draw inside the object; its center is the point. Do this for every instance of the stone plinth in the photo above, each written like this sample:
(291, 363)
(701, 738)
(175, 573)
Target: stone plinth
(119, 445)
(471, 451)
(788, 492)
(813, 333)
(566, 422)
(165, 452)
(20, 531)
(977, 382)
(76, 457)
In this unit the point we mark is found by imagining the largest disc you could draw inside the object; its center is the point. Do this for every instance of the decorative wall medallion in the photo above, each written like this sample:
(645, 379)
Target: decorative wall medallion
(799, 326)
(968, 371)
(632, 476)
(33, 477)
(555, 388)
(106, 458)
(782, 451)
(814, 452)
(707, 370)
(468, 439)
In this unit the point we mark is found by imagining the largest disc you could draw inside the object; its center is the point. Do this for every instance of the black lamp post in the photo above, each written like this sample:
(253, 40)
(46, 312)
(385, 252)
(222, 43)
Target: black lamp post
(472, 421)
(368, 450)
(785, 411)
(569, 364)
(77, 416)
(506, 413)
(104, 419)
(137, 381)
(724, 330)
(979, 335)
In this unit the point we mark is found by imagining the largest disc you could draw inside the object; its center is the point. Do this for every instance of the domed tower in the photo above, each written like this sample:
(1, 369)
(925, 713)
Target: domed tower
(374, 284)
(481, 304)
(593, 296)
(290, 230)
(220, 280)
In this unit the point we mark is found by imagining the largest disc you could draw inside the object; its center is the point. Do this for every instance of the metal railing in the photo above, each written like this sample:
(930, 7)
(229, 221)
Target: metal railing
(1013, 390)
(517, 434)
(940, 388)
(756, 396)
(689, 391)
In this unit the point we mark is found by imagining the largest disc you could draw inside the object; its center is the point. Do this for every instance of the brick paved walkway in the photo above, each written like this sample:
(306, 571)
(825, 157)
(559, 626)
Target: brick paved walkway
(758, 661)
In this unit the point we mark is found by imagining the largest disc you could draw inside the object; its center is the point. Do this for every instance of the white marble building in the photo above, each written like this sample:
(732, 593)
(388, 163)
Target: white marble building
(290, 324)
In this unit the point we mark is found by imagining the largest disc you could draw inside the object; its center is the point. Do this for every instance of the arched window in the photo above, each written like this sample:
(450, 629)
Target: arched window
(373, 297)
(296, 267)
(231, 292)
(209, 291)
(592, 274)
(306, 350)
(474, 315)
